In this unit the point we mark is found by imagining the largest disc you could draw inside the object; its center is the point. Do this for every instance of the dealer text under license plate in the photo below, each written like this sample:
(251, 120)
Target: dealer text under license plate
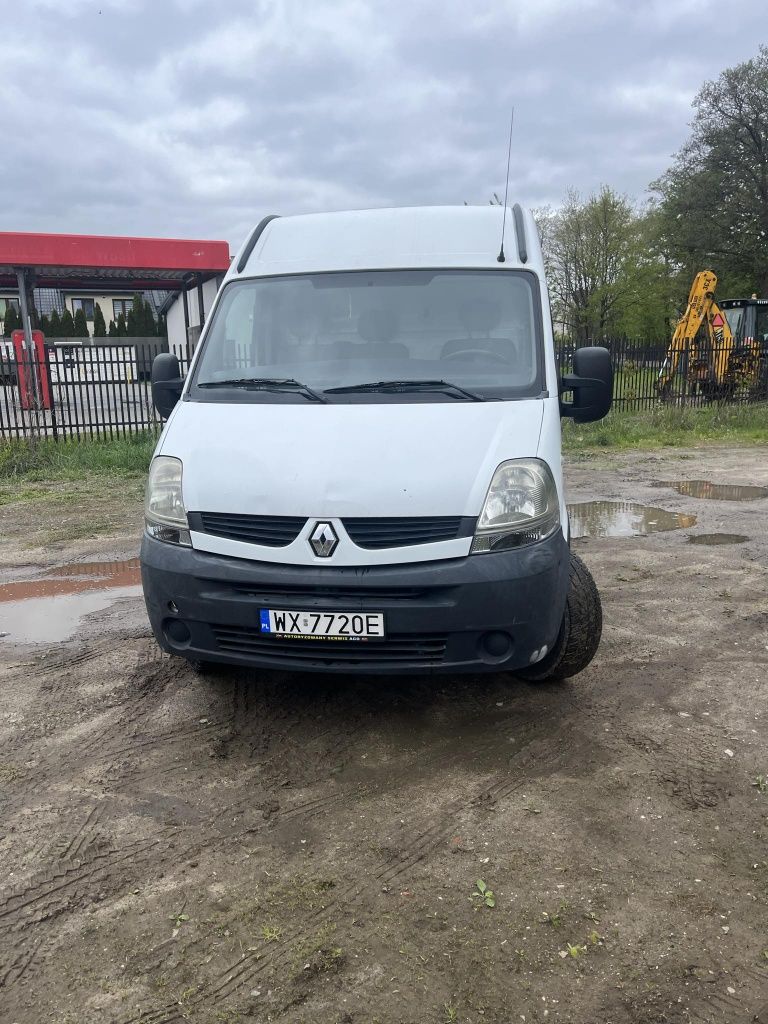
(323, 625)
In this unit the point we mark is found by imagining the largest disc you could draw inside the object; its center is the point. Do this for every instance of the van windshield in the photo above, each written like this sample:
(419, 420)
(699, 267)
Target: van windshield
(374, 336)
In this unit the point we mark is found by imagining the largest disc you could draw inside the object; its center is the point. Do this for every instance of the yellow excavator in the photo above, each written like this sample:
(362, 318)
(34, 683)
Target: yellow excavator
(717, 352)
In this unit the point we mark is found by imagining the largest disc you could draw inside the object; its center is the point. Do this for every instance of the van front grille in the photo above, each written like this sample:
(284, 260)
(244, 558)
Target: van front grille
(401, 531)
(370, 532)
(271, 531)
(425, 649)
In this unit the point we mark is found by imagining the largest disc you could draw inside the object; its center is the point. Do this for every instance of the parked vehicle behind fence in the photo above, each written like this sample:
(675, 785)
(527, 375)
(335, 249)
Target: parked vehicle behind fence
(361, 471)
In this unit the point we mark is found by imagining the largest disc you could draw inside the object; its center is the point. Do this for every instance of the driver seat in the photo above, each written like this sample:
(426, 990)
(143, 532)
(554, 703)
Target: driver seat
(479, 317)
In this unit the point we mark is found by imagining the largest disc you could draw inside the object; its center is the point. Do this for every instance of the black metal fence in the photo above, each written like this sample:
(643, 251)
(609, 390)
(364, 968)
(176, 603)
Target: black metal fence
(103, 390)
(647, 375)
(79, 391)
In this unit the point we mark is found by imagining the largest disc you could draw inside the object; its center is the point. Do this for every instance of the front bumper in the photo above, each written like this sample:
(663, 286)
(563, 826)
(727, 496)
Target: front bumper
(486, 612)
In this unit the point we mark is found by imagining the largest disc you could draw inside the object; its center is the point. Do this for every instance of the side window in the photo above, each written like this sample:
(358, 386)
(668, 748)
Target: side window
(87, 306)
(762, 323)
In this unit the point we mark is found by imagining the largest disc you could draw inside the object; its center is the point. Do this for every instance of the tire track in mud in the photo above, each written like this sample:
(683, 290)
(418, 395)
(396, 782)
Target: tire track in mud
(88, 650)
(688, 762)
(22, 965)
(66, 880)
(434, 832)
(426, 842)
(139, 698)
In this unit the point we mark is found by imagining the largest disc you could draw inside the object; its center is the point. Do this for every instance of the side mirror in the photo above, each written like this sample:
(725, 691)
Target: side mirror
(591, 383)
(167, 383)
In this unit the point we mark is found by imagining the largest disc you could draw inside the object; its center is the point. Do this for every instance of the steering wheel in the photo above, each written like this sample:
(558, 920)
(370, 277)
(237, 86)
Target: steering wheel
(476, 352)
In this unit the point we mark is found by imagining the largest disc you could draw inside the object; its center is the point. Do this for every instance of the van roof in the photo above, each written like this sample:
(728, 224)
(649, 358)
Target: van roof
(406, 237)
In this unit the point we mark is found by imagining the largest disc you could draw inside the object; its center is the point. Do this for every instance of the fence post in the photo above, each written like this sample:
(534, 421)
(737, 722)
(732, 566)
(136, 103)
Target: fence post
(46, 368)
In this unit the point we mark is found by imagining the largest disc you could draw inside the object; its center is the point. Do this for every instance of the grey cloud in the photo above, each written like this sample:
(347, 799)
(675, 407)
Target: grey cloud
(194, 119)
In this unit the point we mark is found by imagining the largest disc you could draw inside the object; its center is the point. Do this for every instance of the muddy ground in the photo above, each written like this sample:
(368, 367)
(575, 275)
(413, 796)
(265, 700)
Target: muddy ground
(286, 848)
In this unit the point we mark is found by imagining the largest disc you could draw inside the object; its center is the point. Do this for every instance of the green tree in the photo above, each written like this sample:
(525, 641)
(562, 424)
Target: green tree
(714, 198)
(12, 320)
(112, 333)
(122, 326)
(81, 324)
(150, 325)
(132, 320)
(99, 325)
(54, 324)
(596, 263)
(67, 325)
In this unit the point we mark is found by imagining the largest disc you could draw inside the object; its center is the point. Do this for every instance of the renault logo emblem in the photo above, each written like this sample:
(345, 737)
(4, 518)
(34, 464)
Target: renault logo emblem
(323, 540)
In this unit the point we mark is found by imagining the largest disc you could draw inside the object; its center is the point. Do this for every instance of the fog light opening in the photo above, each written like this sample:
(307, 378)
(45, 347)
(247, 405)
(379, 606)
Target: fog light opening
(177, 633)
(495, 647)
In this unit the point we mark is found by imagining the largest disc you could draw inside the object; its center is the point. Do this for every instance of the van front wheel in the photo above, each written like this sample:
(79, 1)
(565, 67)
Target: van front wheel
(579, 635)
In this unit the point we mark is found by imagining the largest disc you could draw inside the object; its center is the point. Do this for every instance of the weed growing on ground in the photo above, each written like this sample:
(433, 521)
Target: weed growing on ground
(555, 919)
(575, 951)
(484, 894)
(316, 954)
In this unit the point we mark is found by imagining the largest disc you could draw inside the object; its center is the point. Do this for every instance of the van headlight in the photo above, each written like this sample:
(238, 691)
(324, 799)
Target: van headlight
(164, 513)
(521, 507)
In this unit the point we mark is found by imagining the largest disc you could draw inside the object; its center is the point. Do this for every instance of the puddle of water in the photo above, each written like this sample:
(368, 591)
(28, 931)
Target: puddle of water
(49, 609)
(49, 620)
(623, 519)
(714, 539)
(74, 579)
(718, 492)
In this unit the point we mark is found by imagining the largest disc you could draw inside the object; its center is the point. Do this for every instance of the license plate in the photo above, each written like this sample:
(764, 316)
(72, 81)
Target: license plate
(322, 625)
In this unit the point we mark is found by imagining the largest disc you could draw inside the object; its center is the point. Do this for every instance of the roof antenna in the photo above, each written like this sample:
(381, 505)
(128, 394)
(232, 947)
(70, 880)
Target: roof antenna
(501, 258)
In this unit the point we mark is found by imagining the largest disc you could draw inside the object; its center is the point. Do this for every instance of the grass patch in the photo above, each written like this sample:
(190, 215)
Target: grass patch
(670, 426)
(46, 459)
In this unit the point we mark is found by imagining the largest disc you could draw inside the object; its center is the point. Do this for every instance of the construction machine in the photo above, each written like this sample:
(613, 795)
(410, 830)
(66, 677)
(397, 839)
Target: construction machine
(718, 351)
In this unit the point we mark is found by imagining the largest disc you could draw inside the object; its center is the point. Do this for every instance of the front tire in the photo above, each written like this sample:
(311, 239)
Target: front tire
(579, 635)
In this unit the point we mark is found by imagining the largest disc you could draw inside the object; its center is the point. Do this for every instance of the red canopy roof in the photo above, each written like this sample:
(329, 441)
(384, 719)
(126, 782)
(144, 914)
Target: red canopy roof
(62, 261)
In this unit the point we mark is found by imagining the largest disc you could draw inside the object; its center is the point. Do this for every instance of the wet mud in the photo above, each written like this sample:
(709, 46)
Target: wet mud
(268, 846)
(714, 540)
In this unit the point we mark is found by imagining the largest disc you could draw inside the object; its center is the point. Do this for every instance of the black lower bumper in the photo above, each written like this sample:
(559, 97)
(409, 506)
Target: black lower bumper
(486, 612)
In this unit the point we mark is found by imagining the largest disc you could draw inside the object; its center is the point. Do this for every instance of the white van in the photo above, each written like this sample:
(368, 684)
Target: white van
(361, 471)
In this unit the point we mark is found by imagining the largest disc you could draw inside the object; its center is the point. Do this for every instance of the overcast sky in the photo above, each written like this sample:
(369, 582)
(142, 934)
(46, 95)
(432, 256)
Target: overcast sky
(193, 119)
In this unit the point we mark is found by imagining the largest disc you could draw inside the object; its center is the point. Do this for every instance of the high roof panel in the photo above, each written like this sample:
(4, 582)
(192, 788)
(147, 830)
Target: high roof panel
(428, 236)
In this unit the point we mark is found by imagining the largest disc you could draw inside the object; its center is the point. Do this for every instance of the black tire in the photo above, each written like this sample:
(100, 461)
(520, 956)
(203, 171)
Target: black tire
(579, 636)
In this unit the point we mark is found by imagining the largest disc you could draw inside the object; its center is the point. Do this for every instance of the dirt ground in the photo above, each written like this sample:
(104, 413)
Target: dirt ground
(273, 847)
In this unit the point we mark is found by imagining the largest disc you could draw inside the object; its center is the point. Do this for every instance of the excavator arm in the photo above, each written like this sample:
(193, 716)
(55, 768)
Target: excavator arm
(701, 311)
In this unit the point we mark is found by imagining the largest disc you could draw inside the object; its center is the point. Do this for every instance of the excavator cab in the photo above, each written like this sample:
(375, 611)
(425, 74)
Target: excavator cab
(748, 320)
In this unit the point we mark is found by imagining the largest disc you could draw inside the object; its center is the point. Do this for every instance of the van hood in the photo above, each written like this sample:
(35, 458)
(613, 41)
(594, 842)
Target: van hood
(393, 459)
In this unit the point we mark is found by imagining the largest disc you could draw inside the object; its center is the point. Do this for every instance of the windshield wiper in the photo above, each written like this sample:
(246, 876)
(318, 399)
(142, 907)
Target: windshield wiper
(267, 384)
(403, 386)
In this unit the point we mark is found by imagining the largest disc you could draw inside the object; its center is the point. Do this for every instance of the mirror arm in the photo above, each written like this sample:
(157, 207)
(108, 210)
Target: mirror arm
(572, 382)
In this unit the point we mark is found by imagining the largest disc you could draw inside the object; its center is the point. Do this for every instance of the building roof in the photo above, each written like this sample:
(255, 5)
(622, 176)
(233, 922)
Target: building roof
(426, 236)
(81, 261)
